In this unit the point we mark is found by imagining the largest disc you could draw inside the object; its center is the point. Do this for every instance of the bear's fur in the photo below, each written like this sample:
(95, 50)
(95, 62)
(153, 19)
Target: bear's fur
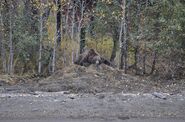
(90, 56)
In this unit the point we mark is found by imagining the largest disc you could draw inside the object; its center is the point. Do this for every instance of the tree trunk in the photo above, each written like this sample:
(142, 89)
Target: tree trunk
(121, 45)
(3, 52)
(115, 41)
(81, 16)
(125, 46)
(44, 15)
(77, 54)
(34, 17)
(11, 55)
(82, 39)
(157, 33)
(57, 39)
(138, 36)
(114, 49)
(144, 61)
(59, 6)
(66, 20)
(123, 41)
(72, 57)
(136, 57)
(54, 57)
(127, 35)
(92, 19)
(122, 58)
(80, 31)
(154, 62)
(40, 45)
(73, 22)
(145, 54)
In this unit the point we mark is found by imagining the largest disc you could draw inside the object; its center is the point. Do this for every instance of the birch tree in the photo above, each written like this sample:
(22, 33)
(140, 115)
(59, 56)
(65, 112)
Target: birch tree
(41, 39)
(81, 17)
(81, 29)
(73, 20)
(54, 54)
(123, 37)
(57, 38)
(11, 51)
(67, 17)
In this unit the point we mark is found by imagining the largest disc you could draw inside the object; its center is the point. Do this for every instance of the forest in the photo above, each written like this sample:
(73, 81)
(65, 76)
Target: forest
(140, 37)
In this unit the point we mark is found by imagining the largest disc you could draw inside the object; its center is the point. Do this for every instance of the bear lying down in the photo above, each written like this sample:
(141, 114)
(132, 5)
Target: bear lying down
(90, 56)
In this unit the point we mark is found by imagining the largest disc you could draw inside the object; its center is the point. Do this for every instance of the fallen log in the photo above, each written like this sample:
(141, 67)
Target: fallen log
(160, 95)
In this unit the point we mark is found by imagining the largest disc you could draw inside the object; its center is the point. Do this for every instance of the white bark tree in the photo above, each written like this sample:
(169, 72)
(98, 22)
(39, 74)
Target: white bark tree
(82, 6)
(123, 37)
(41, 39)
(11, 51)
(73, 21)
(54, 54)
(67, 18)
(55, 44)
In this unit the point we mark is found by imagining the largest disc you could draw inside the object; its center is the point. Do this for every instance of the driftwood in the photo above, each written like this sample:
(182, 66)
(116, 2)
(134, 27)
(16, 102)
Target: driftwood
(90, 56)
(160, 95)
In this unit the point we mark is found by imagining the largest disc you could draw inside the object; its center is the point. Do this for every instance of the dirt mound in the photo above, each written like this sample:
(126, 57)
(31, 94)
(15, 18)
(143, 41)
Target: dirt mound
(8, 80)
(17, 84)
(94, 79)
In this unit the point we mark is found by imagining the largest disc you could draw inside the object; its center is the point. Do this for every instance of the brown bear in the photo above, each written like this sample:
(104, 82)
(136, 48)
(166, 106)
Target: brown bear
(90, 56)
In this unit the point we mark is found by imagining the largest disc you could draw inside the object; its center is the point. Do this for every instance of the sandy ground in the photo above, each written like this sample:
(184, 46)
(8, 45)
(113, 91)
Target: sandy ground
(105, 106)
